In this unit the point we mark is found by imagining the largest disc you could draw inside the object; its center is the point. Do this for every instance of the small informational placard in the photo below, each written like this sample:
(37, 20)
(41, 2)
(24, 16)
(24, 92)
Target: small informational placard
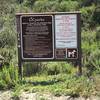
(66, 31)
(66, 34)
(37, 37)
(60, 53)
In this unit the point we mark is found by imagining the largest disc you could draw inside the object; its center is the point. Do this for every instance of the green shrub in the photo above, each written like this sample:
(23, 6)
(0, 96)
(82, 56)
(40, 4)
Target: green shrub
(76, 86)
(8, 54)
(51, 6)
(9, 76)
(3, 85)
(87, 16)
(57, 92)
(69, 5)
(90, 51)
(54, 68)
(88, 36)
(95, 60)
(7, 37)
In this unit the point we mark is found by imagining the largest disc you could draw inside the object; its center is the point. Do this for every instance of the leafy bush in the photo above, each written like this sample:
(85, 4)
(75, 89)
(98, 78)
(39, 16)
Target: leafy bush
(79, 86)
(3, 85)
(88, 36)
(9, 55)
(8, 77)
(50, 68)
(54, 68)
(87, 16)
(95, 61)
(51, 6)
(90, 49)
(7, 37)
(69, 5)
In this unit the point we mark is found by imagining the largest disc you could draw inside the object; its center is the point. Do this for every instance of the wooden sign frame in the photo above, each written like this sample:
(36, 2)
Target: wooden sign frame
(19, 31)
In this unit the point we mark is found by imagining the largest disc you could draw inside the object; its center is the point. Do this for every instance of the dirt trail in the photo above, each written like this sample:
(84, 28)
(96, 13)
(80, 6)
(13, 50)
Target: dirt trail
(7, 95)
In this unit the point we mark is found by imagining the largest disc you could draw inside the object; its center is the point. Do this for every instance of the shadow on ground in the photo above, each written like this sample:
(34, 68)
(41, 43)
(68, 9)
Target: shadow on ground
(43, 83)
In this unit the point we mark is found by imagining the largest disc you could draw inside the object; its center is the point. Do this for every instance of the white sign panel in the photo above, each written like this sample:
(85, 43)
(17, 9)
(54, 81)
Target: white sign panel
(66, 31)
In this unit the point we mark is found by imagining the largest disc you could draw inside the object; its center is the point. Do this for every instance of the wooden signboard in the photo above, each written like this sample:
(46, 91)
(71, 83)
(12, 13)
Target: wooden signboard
(49, 37)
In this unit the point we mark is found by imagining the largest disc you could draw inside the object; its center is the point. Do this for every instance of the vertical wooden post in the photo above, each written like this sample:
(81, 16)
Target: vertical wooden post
(79, 62)
(19, 46)
(79, 67)
(20, 63)
(20, 70)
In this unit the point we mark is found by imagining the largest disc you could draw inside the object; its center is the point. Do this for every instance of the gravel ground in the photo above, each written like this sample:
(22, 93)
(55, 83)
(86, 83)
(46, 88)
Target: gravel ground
(7, 95)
